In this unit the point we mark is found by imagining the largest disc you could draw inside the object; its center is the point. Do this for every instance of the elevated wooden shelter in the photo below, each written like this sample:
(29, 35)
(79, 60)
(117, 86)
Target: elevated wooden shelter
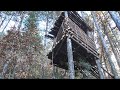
(70, 25)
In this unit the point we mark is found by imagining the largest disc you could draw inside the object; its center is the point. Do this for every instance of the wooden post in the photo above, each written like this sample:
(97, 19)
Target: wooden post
(70, 58)
(100, 69)
(70, 53)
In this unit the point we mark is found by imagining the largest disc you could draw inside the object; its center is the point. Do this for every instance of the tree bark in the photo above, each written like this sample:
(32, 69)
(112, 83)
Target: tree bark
(100, 69)
(5, 69)
(2, 22)
(115, 18)
(113, 49)
(116, 39)
(105, 47)
(118, 12)
(20, 24)
(46, 29)
(111, 43)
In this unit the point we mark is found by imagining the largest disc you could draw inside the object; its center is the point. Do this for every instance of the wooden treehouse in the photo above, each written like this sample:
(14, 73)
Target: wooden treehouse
(70, 25)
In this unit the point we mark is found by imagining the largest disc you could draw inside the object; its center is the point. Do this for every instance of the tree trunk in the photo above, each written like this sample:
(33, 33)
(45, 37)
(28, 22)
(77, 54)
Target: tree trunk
(118, 12)
(99, 69)
(111, 43)
(13, 74)
(115, 18)
(113, 49)
(46, 29)
(7, 23)
(20, 24)
(57, 14)
(70, 58)
(116, 39)
(5, 69)
(112, 30)
(105, 47)
(102, 61)
(2, 22)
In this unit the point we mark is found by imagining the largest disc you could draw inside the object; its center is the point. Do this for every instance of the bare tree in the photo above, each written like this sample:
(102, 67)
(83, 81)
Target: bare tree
(104, 46)
(115, 18)
(110, 41)
(3, 21)
(8, 22)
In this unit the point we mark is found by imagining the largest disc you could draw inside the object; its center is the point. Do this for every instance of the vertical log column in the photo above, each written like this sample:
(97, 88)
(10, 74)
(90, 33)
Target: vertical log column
(99, 69)
(70, 58)
(70, 53)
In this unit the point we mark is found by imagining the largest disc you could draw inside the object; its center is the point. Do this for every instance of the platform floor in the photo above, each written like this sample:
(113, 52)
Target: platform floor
(60, 54)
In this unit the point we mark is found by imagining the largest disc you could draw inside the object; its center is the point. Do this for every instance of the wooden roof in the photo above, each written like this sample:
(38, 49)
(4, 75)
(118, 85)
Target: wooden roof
(57, 25)
(75, 17)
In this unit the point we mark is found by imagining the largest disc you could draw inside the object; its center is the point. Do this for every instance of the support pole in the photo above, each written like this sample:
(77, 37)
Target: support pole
(70, 53)
(100, 69)
(70, 59)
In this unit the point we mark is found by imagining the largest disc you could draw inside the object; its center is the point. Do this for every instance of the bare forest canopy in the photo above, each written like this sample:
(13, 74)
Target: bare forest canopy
(27, 37)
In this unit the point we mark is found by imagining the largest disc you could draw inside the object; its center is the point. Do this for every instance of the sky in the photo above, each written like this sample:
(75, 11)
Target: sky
(8, 27)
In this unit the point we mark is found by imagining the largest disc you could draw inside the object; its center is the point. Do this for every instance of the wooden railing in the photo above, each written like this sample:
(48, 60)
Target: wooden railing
(79, 35)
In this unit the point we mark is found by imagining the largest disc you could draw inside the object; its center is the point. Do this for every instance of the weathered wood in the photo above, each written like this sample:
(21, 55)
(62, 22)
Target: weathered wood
(83, 44)
(94, 73)
(95, 70)
(79, 21)
(80, 32)
(70, 58)
(85, 47)
(57, 25)
(86, 42)
(76, 16)
(59, 47)
(76, 40)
